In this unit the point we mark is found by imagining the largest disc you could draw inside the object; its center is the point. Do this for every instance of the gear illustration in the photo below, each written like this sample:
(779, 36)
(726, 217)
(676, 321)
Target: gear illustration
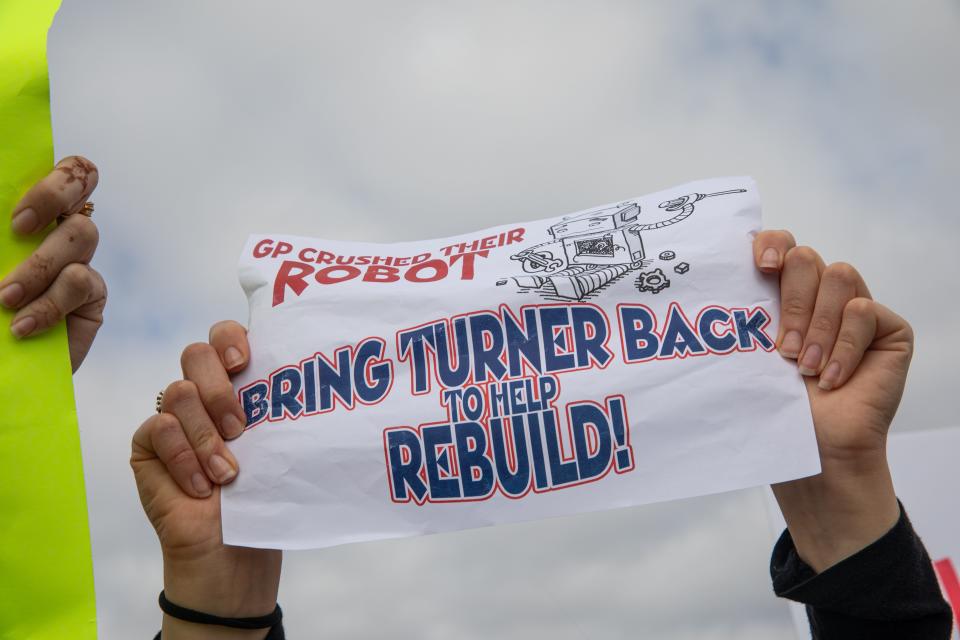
(653, 281)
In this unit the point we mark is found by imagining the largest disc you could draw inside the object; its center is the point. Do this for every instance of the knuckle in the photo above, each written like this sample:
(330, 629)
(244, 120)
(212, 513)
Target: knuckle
(781, 236)
(206, 440)
(47, 311)
(166, 426)
(801, 257)
(846, 342)
(908, 340)
(842, 272)
(164, 433)
(180, 456)
(194, 351)
(83, 230)
(908, 332)
(97, 286)
(77, 276)
(904, 335)
(794, 305)
(222, 395)
(140, 436)
(223, 398)
(822, 324)
(859, 307)
(180, 391)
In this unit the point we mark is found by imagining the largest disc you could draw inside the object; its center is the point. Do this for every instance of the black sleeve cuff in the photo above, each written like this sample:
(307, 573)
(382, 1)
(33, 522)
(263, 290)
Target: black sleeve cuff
(887, 590)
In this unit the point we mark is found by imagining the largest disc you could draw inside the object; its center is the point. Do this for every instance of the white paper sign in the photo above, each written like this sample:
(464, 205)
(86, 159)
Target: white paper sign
(610, 357)
(923, 465)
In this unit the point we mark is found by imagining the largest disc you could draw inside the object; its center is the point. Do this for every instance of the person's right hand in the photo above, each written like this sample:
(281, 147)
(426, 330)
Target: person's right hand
(180, 461)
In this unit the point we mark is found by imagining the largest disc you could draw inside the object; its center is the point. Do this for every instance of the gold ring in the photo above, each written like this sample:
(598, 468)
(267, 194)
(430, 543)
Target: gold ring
(85, 210)
(160, 402)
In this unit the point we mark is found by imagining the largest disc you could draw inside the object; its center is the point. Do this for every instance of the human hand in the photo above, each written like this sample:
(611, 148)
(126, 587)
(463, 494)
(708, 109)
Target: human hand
(854, 354)
(180, 461)
(57, 282)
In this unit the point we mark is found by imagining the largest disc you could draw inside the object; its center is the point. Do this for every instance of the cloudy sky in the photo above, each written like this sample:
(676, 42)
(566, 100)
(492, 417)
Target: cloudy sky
(396, 121)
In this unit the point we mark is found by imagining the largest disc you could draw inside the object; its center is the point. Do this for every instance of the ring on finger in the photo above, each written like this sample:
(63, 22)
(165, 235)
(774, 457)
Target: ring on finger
(86, 210)
(160, 402)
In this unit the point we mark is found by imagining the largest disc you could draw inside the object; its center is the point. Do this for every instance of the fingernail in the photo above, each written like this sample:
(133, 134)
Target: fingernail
(26, 221)
(11, 294)
(222, 469)
(810, 362)
(792, 342)
(829, 377)
(231, 426)
(770, 259)
(232, 357)
(200, 484)
(24, 326)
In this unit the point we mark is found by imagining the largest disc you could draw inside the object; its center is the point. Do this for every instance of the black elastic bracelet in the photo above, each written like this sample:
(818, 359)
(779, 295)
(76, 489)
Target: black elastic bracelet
(198, 617)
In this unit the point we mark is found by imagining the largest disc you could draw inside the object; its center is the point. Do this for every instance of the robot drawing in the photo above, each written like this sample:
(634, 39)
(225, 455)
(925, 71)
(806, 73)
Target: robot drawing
(588, 251)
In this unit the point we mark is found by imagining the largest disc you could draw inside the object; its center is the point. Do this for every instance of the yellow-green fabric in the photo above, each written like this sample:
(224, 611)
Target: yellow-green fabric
(46, 572)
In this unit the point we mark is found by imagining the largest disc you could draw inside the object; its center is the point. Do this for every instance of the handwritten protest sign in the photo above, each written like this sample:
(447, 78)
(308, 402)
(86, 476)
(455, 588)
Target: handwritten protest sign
(611, 357)
(46, 573)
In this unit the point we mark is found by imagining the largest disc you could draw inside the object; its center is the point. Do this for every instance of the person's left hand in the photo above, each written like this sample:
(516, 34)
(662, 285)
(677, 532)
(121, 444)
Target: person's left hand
(854, 354)
(57, 282)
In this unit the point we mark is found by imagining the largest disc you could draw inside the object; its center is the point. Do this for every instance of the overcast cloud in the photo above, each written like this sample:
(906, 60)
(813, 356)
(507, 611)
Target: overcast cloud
(395, 121)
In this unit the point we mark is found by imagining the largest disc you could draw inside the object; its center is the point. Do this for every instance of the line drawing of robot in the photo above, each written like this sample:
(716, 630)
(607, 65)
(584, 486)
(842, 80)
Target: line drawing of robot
(589, 251)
